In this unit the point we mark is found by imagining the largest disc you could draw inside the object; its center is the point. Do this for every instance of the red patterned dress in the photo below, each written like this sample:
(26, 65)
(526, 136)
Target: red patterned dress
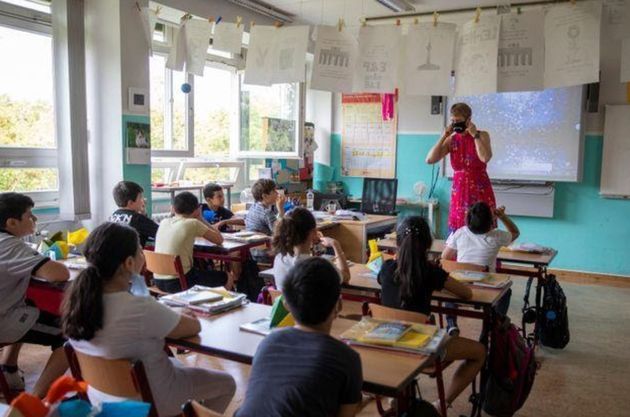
(471, 183)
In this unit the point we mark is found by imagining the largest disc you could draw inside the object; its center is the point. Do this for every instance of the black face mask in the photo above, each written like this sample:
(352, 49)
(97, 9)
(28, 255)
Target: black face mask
(459, 127)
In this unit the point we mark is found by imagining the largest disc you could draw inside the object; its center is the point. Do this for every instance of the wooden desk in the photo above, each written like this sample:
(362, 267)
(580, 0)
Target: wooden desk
(226, 250)
(384, 373)
(352, 234)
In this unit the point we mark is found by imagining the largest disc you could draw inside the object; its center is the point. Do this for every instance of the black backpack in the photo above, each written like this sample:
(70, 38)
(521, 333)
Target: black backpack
(250, 282)
(553, 319)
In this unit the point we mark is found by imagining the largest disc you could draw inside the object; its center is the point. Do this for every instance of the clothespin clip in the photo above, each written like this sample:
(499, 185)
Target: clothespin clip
(435, 18)
(477, 14)
(415, 20)
(363, 21)
(252, 24)
(239, 20)
(211, 19)
(397, 22)
(158, 10)
(187, 16)
(518, 10)
(138, 7)
(340, 24)
(572, 2)
(219, 19)
(277, 24)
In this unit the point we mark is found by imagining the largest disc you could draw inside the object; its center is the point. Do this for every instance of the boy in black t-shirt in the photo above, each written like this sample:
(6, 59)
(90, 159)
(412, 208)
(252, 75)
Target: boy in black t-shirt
(131, 211)
(214, 212)
(302, 370)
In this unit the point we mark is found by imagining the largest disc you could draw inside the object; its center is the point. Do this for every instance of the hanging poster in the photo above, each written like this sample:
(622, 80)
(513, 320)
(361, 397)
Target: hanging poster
(377, 66)
(476, 69)
(572, 44)
(149, 19)
(138, 143)
(521, 52)
(289, 54)
(198, 34)
(428, 59)
(616, 16)
(625, 61)
(259, 62)
(368, 142)
(335, 58)
(177, 55)
(228, 37)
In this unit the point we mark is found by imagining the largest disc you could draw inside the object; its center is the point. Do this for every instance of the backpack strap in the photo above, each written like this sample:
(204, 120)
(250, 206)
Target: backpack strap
(528, 288)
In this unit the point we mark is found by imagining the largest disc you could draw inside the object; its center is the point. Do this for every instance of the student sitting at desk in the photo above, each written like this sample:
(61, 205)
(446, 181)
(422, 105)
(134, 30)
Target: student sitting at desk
(20, 322)
(176, 236)
(101, 318)
(293, 240)
(129, 198)
(408, 283)
(302, 370)
(213, 210)
(269, 206)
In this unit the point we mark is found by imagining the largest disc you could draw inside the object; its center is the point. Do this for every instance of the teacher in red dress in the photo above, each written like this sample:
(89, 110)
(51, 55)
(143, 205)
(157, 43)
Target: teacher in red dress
(470, 151)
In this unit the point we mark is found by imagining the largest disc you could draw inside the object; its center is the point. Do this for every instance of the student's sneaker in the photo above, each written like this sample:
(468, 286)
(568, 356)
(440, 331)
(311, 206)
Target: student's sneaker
(15, 380)
(453, 331)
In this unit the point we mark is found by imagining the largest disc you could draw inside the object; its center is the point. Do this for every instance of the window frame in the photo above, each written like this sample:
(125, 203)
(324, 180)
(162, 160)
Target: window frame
(22, 19)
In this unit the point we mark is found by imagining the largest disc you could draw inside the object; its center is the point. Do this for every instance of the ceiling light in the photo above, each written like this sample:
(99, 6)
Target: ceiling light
(265, 9)
(397, 5)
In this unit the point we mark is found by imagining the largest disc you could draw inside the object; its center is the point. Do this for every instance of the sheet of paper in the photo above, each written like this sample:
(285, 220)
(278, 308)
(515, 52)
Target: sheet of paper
(289, 55)
(335, 58)
(625, 61)
(521, 52)
(259, 62)
(228, 37)
(572, 44)
(149, 19)
(428, 59)
(177, 55)
(476, 69)
(198, 34)
(616, 18)
(377, 65)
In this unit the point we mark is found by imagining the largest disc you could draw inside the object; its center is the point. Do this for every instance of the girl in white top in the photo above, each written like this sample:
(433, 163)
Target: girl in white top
(293, 239)
(101, 318)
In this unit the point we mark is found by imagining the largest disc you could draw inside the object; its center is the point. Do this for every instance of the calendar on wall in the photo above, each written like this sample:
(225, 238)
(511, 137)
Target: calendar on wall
(368, 137)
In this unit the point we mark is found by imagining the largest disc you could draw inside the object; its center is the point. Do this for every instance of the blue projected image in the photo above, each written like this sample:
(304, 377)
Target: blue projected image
(534, 135)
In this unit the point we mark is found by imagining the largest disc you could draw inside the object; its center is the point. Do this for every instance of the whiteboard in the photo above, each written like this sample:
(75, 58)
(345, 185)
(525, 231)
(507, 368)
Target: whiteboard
(535, 135)
(616, 154)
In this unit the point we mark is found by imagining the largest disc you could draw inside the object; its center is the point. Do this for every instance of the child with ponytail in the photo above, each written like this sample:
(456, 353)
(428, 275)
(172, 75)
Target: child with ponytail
(101, 318)
(409, 281)
(293, 239)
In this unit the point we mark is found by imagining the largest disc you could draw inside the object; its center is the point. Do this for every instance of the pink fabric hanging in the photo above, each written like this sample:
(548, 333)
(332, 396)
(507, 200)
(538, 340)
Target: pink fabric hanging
(388, 101)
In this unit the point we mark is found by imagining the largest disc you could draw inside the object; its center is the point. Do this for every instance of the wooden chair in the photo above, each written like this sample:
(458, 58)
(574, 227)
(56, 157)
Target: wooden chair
(118, 377)
(380, 312)
(164, 264)
(450, 266)
(6, 391)
(194, 409)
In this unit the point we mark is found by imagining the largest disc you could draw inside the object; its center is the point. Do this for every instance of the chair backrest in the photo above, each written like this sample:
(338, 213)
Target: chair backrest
(450, 266)
(379, 196)
(165, 264)
(380, 312)
(194, 409)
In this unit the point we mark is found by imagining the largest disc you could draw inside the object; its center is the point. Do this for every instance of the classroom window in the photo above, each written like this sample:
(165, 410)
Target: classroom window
(27, 117)
(207, 174)
(169, 118)
(270, 120)
(213, 115)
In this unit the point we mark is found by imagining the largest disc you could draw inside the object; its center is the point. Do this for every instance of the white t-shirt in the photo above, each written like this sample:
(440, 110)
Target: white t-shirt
(135, 328)
(478, 249)
(282, 265)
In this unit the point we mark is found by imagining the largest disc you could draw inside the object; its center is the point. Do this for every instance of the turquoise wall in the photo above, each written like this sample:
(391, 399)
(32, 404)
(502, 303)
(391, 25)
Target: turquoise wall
(590, 233)
(140, 174)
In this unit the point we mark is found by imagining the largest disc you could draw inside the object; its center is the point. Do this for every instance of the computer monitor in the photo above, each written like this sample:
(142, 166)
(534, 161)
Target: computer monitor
(379, 196)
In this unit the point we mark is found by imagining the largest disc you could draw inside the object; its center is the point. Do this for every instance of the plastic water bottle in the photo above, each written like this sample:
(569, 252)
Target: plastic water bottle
(310, 199)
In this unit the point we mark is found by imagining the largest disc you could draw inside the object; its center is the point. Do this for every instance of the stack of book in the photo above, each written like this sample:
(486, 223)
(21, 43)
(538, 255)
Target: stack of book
(206, 299)
(395, 335)
(481, 279)
(244, 236)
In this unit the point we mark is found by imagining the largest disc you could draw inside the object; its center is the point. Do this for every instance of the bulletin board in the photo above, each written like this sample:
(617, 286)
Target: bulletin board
(368, 138)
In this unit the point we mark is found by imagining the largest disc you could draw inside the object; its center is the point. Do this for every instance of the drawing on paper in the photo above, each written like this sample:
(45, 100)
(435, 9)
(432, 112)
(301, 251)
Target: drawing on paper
(428, 66)
(261, 57)
(573, 50)
(286, 59)
(515, 56)
(334, 57)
